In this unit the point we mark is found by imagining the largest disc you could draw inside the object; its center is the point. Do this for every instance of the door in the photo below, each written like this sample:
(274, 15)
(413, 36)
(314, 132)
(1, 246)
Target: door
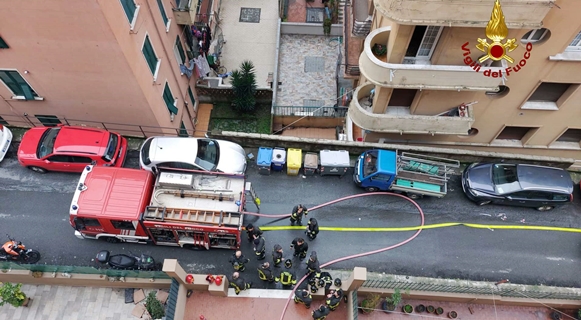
(58, 163)
(519, 199)
(422, 44)
(78, 163)
(539, 198)
(380, 180)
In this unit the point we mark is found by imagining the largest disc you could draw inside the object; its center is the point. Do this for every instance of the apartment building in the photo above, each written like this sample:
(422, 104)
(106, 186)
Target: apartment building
(108, 61)
(422, 80)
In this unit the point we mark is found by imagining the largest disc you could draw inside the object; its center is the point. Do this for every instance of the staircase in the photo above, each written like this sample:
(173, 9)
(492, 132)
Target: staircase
(342, 4)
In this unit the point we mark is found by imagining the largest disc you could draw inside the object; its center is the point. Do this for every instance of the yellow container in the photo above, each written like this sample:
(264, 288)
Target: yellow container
(294, 159)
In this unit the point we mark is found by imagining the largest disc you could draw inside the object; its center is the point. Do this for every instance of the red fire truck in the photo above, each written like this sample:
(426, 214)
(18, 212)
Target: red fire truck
(190, 209)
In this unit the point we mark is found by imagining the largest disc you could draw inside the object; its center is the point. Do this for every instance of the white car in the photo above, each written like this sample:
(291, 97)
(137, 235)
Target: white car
(5, 139)
(192, 153)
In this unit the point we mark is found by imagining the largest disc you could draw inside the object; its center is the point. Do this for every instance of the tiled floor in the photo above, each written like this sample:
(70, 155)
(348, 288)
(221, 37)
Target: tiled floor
(71, 303)
(298, 85)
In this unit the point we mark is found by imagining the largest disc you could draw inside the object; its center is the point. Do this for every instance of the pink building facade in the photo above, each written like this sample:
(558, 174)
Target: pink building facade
(113, 63)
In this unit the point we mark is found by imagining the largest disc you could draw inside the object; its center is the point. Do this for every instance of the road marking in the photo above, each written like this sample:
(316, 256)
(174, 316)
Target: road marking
(429, 226)
(556, 259)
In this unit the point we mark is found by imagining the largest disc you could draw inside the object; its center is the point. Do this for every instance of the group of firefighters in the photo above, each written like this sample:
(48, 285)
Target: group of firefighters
(316, 278)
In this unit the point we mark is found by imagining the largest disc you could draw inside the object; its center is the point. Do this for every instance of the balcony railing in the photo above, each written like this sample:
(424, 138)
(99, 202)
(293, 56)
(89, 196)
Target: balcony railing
(408, 124)
(299, 111)
(519, 14)
(416, 76)
(361, 28)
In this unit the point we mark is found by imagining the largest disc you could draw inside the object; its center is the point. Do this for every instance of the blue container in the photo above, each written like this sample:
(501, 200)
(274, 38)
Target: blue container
(264, 160)
(278, 159)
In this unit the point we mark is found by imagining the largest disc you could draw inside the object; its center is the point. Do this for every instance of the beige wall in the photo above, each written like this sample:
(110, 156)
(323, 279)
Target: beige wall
(87, 64)
(493, 113)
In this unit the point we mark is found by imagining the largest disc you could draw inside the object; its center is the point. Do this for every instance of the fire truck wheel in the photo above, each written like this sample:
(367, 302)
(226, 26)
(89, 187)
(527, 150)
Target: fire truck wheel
(111, 239)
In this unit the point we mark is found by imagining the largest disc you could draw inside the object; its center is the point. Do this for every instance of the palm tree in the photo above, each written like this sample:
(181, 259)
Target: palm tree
(244, 86)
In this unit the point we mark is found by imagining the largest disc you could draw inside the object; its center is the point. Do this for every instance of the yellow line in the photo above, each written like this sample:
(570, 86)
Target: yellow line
(429, 226)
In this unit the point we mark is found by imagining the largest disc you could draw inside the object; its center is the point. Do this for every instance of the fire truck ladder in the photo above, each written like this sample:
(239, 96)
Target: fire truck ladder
(249, 190)
(218, 218)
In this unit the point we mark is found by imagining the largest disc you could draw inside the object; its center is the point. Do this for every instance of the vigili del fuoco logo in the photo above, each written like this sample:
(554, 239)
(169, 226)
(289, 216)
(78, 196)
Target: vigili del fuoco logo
(496, 31)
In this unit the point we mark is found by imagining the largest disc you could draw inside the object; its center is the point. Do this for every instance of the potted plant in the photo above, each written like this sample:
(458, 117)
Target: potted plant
(11, 294)
(452, 315)
(579, 314)
(368, 304)
(439, 310)
(420, 308)
(389, 304)
(244, 87)
(327, 26)
(408, 308)
(154, 307)
(430, 309)
(379, 49)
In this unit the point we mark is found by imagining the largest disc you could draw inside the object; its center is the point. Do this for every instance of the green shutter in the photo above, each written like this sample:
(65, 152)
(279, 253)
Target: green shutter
(3, 44)
(17, 84)
(183, 130)
(180, 49)
(47, 120)
(169, 100)
(149, 55)
(191, 94)
(163, 15)
(129, 8)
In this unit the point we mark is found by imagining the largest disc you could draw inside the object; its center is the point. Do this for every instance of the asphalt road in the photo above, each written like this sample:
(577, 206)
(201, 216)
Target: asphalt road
(34, 209)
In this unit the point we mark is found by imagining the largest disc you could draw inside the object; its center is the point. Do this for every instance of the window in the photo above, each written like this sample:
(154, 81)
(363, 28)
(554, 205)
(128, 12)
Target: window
(575, 45)
(145, 152)
(4, 122)
(183, 130)
(131, 10)
(540, 195)
(422, 44)
(208, 154)
(87, 222)
(111, 147)
(177, 165)
(514, 133)
(59, 158)
(402, 97)
(549, 92)
(46, 145)
(125, 225)
(561, 197)
(150, 57)
(3, 44)
(170, 102)
(192, 98)
(536, 36)
(48, 121)
(19, 87)
(571, 135)
(79, 159)
(178, 50)
(166, 21)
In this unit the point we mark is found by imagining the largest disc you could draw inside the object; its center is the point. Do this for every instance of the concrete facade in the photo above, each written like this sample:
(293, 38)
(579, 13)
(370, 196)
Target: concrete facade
(84, 61)
(426, 72)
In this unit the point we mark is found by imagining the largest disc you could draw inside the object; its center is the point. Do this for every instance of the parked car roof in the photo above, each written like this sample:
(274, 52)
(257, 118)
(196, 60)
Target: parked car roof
(538, 177)
(81, 140)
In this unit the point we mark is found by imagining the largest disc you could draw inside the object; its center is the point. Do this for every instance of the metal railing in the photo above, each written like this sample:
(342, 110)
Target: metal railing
(485, 288)
(61, 270)
(300, 111)
(134, 130)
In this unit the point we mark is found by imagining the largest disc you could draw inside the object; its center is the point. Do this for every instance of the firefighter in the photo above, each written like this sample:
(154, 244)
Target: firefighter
(287, 278)
(333, 299)
(238, 260)
(252, 232)
(277, 255)
(265, 273)
(321, 313)
(300, 247)
(312, 229)
(259, 248)
(238, 283)
(313, 265)
(303, 296)
(324, 280)
(297, 214)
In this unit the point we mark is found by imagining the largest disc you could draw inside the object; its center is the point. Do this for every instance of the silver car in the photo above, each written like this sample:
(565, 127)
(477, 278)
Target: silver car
(193, 154)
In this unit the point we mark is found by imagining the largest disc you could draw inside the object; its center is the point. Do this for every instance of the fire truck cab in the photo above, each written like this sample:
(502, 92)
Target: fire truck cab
(190, 209)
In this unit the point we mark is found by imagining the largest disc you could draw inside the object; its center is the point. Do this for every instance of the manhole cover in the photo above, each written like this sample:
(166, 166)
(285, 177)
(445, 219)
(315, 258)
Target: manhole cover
(251, 15)
(314, 64)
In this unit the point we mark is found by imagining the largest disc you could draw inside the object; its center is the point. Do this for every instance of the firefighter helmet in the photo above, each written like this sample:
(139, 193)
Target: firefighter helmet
(288, 263)
(314, 289)
(338, 283)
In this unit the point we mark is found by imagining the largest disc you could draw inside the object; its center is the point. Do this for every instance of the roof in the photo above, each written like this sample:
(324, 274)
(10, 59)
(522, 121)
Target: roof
(81, 140)
(120, 192)
(173, 149)
(533, 177)
(386, 161)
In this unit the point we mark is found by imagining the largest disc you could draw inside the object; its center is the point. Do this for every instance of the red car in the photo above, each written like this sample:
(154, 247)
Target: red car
(70, 149)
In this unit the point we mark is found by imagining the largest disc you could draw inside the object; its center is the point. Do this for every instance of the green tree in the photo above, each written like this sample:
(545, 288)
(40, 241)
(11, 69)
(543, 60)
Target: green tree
(11, 294)
(244, 86)
(154, 306)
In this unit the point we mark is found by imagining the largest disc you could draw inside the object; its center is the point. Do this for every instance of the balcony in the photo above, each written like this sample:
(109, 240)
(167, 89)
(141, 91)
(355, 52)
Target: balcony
(185, 12)
(519, 14)
(416, 76)
(406, 123)
(361, 19)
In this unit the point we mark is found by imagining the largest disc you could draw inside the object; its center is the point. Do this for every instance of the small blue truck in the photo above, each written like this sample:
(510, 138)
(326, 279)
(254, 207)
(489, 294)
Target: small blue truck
(412, 174)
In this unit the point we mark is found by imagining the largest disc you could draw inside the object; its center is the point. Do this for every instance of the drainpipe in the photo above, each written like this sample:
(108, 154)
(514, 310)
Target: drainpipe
(275, 75)
(172, 66)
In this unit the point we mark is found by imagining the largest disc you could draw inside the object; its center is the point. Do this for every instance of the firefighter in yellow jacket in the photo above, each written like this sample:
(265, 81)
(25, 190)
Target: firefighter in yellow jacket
(265, 273)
